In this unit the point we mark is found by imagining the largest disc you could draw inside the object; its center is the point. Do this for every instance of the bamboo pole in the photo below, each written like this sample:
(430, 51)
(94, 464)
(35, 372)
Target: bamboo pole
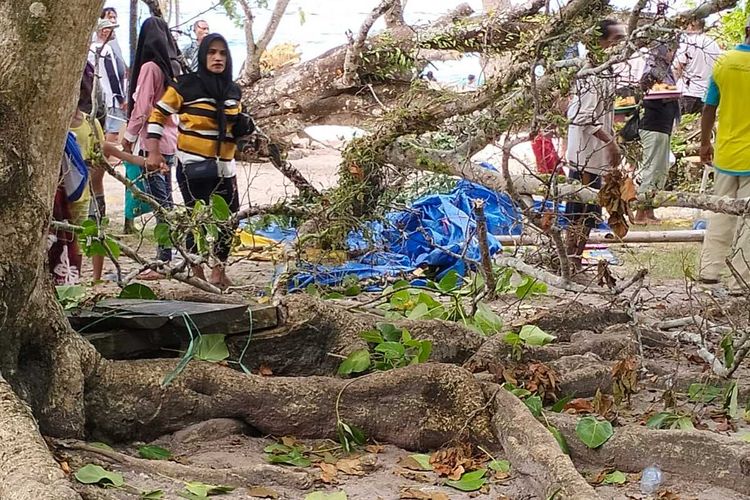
(676, 236)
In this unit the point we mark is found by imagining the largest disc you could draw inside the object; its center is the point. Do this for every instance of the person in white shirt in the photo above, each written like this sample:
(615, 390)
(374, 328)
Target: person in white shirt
(693, 64)
(111, 80)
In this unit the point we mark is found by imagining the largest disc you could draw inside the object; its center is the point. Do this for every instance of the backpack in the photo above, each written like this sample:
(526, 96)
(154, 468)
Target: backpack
(75, 173)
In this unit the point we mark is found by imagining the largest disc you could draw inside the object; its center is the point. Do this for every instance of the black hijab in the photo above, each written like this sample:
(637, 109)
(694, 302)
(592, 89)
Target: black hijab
(155, 44)
(218, 86)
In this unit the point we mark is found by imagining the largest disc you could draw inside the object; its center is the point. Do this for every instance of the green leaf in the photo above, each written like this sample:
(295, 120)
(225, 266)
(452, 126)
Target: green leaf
(400, 298)
(512, 339)
(333, 295)
(733, 407)
(470, 481)
(211, 348)
(559, 438)
(534, 404)
(533, 335)
(293, 458)
(727, 345)
(391, 350)
(137, 291)
(486, 319)
(277, 448)
(353, 291)
(356, 362)
(423, 460)
(219, 208)
(661, 420)
(425, 349)
(500, 466)
(684, 423)
(593, 432)
(114, 247)
(529, 287)
(90, 228)
(94, 474)
(202, 489)
(96, 249)
(390, 332)
(322, 495)
(69, 296)
(449, 282)
(152, 495)
(372, 336)
(161, 234)
(559, 405)
(615, 477)
(745, 437)
(151, 452)
(420, 311)
(704, 393)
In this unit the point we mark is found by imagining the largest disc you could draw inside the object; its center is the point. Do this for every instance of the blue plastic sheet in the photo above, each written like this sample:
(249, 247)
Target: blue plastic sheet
(436, 231)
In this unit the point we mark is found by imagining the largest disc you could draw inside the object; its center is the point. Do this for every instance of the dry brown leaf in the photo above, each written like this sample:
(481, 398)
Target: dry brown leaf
(456, 473)
(602, 403)
(289, 441)
(262, 492)
(374, 448)
(628, 192)
(265, 371)
(668, 495)
(328, 473)
(350, 466)
(416, 476)
(579, 405)
(417, 494)
(65, 467)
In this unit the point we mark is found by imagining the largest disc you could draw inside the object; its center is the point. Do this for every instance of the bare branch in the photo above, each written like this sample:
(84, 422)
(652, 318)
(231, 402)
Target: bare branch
(273, 24)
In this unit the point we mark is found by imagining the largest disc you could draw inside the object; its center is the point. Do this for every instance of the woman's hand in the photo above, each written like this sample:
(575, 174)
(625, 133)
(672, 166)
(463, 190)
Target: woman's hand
(155, 162)
(127, 146)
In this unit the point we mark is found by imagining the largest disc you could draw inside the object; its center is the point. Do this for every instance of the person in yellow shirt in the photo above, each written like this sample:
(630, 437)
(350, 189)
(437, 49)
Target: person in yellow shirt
(728, 235)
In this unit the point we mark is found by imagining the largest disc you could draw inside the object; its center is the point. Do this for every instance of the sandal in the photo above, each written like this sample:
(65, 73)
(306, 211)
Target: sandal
(150, 275)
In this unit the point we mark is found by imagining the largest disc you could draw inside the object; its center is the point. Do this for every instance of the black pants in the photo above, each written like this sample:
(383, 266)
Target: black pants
(589, 213)
(202, 189)
(690, 105)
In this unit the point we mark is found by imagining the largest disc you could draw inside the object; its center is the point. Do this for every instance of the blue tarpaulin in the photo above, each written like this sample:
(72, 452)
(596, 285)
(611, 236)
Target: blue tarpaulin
(435, 231)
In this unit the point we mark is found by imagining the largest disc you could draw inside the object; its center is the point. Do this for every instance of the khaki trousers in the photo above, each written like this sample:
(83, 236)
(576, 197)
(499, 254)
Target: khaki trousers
(727, 236)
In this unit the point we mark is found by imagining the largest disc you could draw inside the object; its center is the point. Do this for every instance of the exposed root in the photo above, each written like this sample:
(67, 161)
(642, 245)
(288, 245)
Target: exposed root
(317, 332)
(27, 470)
(695, 455)
(533, 451)
(417, 407)
(237, 476)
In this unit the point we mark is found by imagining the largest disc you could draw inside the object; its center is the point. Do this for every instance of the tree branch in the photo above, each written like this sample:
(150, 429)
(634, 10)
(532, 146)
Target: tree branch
(354, 51)
(278, 13)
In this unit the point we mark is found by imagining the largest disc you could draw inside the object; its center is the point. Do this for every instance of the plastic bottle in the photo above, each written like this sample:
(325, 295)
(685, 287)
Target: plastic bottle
(651, 478)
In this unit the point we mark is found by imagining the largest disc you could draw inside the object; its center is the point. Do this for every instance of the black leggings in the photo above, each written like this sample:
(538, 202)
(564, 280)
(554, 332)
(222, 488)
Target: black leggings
(202, 189)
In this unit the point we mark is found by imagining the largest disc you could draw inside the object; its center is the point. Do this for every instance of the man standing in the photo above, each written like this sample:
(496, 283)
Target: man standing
(728, 236)
(592, 147)
(200, 29)
(693, 63)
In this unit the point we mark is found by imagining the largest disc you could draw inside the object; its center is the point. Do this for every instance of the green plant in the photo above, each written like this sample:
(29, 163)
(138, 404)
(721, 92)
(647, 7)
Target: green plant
(388, 347)
(137, 291)
(152, 452)
(529, 335)
(196, 490)
(294, 454)
(70, 296)
(469, 481)
(669, 420)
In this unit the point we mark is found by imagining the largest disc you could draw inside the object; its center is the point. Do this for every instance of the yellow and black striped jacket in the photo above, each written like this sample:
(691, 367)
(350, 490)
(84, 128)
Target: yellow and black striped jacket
(198, 128)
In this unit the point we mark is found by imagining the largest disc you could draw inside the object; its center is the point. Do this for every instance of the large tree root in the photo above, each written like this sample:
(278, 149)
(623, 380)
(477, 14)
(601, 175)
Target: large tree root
(245, 476)
(698, 455)
(317, 333)
(27, 470)
(533, 451)
(417, 407)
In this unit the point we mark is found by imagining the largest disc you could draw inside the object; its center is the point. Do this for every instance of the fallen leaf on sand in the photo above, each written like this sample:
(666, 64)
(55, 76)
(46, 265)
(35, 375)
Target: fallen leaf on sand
(262, 492)
(265, 371)
(350, 466)
(417, 494)
(374, 448)
(328, 473)
(289, 441)
(579, 405)
(416, 476)
(412, 463)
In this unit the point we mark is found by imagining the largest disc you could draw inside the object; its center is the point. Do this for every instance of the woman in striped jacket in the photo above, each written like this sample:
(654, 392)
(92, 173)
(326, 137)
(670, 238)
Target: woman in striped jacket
(208, 104)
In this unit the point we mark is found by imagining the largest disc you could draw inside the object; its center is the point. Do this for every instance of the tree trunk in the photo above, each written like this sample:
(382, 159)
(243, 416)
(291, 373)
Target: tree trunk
(133, 24)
